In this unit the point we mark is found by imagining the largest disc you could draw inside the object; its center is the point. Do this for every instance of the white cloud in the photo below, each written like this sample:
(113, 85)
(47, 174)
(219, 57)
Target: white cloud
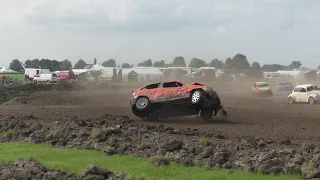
(269, 31)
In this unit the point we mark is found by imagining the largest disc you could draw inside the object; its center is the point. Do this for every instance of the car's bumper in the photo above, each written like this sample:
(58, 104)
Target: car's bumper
(133, 101)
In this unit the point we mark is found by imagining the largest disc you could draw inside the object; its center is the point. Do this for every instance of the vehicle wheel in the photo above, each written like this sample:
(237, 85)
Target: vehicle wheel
(205, 114)
(142, 103)
(291, 101)
(311, 100)
(196, 97)
(35, 82)
(152, 117)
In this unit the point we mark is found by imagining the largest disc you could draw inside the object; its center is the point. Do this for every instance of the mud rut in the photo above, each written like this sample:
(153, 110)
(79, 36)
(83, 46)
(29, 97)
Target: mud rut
(264, 118)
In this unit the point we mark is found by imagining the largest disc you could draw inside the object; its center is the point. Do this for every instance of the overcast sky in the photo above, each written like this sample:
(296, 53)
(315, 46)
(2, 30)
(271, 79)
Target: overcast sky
(267, 31)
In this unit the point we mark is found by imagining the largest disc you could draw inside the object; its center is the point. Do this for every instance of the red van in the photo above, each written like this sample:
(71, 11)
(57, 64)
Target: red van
(66, 76)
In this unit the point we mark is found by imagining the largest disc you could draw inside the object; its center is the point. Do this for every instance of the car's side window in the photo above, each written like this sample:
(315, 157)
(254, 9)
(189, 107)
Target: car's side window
(179, 84)
(303, 90)
(170, 84)
(296, 90)
(151, 86)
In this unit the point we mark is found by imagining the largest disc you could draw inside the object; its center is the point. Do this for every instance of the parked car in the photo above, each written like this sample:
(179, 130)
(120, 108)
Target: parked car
(262, 89)
(285, 86)
(173, 98)
(305, 93)
(52, 77)
(66, 76)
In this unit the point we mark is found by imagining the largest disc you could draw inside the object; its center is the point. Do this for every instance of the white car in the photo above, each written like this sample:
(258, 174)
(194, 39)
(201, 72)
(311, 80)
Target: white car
(46, 78)
(305, 93)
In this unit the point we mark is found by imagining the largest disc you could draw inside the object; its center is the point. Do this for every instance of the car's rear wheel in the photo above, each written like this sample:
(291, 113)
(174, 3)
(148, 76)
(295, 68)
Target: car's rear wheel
(311, 100)
(206, 114)
(142, 103)
(152, 117)
(196, 96)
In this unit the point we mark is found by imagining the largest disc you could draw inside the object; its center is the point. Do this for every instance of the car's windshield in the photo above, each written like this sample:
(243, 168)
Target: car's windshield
(262, 85)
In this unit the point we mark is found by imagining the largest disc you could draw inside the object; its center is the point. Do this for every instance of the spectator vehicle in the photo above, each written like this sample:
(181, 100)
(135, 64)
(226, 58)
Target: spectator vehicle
(52, 77)
(285, 86)
(262, 89)
(68, 76)
(304, 93)
(174, 98)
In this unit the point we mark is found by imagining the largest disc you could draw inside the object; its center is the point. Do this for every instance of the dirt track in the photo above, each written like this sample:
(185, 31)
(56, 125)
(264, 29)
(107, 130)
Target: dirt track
(270, 117)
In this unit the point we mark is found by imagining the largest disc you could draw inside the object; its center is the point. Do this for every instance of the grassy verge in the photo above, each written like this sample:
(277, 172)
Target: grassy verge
(75, 160)
(14, 76)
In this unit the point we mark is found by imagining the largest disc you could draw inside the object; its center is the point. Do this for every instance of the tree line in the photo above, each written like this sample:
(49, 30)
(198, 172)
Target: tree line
(238, 62)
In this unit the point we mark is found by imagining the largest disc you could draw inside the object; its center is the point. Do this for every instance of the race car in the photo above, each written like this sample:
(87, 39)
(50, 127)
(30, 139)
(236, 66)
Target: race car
(285, 86)
(174, 98)
(262, 89)
(305, 93)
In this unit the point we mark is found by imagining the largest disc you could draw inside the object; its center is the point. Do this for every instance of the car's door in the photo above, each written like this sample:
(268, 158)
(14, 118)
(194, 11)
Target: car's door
(170, 91)
(303, 97)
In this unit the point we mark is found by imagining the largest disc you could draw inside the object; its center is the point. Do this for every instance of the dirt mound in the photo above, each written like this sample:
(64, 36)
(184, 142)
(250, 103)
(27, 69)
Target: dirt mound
(18, 90)
(120, 135)
(32, 169)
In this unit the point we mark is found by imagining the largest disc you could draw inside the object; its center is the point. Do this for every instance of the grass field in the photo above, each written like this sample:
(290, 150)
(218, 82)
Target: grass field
(74, 160)
(14, 76)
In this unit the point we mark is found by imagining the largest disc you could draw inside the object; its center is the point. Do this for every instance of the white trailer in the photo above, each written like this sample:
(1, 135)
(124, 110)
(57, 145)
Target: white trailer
(34, 71)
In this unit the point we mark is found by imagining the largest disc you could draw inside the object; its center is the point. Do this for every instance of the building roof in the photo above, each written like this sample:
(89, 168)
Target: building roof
(143, 71)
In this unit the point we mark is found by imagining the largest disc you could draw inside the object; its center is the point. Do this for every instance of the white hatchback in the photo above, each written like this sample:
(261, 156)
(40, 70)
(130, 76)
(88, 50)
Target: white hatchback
(46, 78)
(305, 93)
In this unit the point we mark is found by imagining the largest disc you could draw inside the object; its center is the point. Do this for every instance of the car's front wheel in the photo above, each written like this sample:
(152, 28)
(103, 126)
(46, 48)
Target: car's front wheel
(142, 103)
(206, 114)
(291, 101)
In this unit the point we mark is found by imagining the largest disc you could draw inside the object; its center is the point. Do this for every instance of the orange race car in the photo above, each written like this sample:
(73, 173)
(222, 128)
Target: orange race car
(173, 98)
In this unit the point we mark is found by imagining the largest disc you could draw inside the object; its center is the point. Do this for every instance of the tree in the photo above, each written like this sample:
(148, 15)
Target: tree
(31, 63)
(95, 61)
(256, 66)
(197, 63)
(45, 64)
(216, 63)
(159, 64)
(179, 62)
(125, 65)
(147, 63)
(16, 65)
(65, 65)
(80, 64)
(238, 62)
(55, 65)
(295, 64)
(272, 67)
(109, 63)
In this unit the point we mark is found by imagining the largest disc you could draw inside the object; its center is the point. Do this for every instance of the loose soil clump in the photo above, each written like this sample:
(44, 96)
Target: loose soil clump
(25, 169)
(120, 135)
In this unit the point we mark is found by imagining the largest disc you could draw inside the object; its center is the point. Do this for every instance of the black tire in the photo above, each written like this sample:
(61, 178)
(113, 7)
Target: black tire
(206, 114)
(291, 100)
(311, 100)
(196, 96)
(152, 117)
(142, 103)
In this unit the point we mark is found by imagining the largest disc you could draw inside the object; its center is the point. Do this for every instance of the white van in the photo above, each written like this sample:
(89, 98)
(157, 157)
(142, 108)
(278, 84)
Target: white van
(46, 78)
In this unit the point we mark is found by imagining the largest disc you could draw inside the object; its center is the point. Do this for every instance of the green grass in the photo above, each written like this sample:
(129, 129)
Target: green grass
(14, 76)
(76, 159)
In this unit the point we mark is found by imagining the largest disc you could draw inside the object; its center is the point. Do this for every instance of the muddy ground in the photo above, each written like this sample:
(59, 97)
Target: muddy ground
(265, 134)
(261, 117)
